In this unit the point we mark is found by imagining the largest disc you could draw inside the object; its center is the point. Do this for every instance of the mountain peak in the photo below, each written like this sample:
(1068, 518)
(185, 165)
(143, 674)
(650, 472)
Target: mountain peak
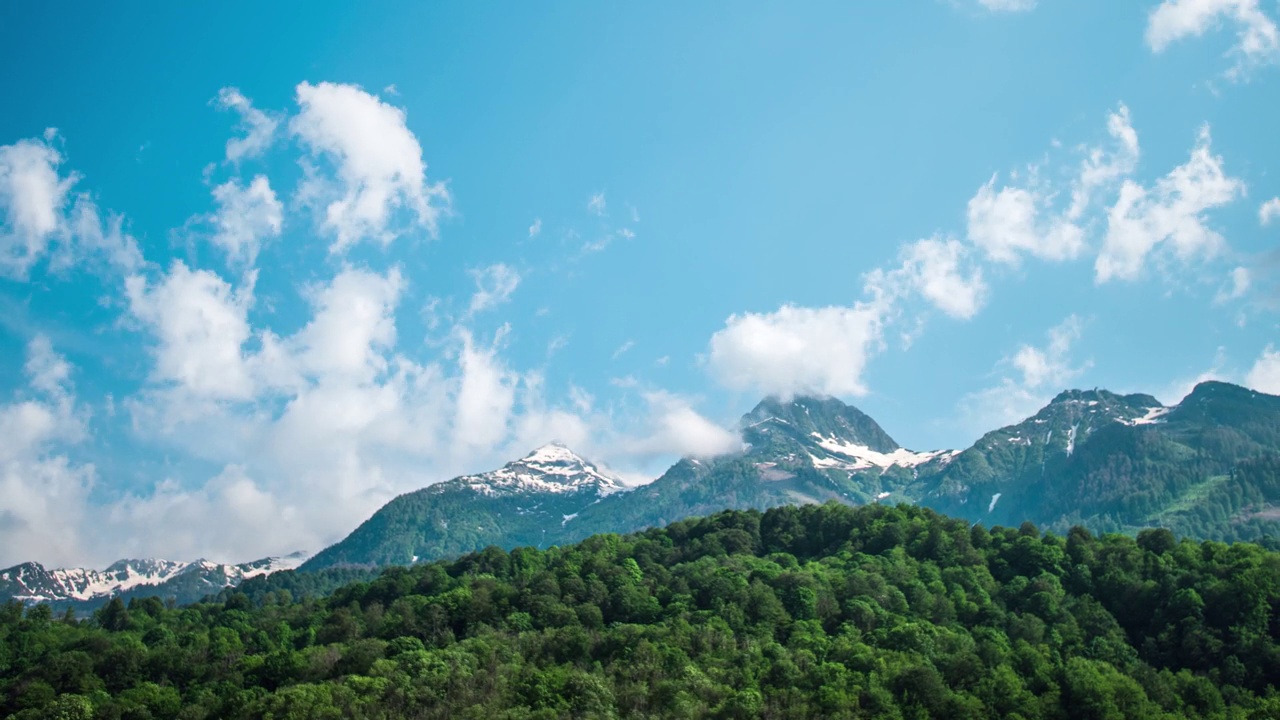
(808, 416)
(550, 468)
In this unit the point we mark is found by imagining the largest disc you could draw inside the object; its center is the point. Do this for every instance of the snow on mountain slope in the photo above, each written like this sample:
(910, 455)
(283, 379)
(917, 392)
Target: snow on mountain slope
(32, 582)
(552, 468)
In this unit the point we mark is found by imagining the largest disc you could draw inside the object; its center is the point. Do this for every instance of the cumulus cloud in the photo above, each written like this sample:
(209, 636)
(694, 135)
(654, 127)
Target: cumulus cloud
(1257, 37)
(1009, 222)
(1034, 374)
(494, 286)
(258, 127)
(797, 350)
(935, 268)
(42, 491)
(377, 165)
(1270, 210)
(1264, 376)
(32, 197)
(245, 217)
(200, 323)
(535, 228)
(1171, 213)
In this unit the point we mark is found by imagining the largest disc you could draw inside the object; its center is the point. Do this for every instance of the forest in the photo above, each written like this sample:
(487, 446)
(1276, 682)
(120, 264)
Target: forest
(798, 612)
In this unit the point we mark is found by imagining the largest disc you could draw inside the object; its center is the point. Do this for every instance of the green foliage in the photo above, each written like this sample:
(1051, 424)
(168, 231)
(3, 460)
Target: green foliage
(817, 611)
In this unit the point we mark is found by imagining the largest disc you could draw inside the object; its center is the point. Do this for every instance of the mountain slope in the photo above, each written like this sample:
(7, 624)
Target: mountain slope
(84, 589)
(526, 502)
(1202, 467)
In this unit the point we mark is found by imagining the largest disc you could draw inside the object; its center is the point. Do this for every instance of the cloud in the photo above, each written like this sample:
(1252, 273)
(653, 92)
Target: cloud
(933, 269)
(535, 229)
(797, 350)
(1172, 212)
(1038, 373)
(1264, 376)
(245, 217)
(1270, 210)
(675, 427)
(1007, 5)
(259, 128)
(42, 491)
(201, 325)
(1239, 281)
(92, 238)
(377, 162)
(494, 286)
(1009, 222)
(32, 198)
(623, 349)
(1257, 40)
(596, 205)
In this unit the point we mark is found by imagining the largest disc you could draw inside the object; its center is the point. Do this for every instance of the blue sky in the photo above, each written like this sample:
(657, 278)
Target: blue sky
(263, 268)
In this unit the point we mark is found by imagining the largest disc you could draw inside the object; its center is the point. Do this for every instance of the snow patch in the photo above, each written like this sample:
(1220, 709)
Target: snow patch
(994, 499)
(864, 457)
(1151, 417)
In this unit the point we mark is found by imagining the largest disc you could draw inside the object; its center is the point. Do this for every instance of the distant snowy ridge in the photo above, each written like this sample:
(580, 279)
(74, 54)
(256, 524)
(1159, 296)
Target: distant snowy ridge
(32, 582)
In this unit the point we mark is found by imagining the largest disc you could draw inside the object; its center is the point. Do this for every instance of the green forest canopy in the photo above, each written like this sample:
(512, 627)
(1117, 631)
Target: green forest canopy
(817, 611)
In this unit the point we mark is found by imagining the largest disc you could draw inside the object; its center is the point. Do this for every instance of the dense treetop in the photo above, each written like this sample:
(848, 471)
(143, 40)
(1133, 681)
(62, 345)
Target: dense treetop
(816, 611)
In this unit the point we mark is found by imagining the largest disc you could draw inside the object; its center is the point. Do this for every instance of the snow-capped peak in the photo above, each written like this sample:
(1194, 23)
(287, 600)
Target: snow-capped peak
(551, 468)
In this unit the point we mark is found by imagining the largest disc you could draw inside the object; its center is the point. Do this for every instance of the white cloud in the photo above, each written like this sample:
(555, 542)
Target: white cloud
(1038, 374)
(676, 428)
(352, 328)
(1007, 5)
(623, 349)
(42, 492)
(1102, 168)
(92, 237)
(1239, 281)
(596, 205)
(1010, 222)
(797, 350)
(536, 228)
(32, 198)
(485, 397)
(201, 324)
(494, 286)
(377, 161)
(933, 268)
(1270, 210)
(1257, 41)
(1264, 376)
(1172, 212)
(259, 128)
(245, 217)
(1016, 220)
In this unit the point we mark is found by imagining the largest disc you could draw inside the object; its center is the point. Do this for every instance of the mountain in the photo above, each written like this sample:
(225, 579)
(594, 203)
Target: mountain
(526, 502)
(1204, 468)
(82, 588)
(1208, 467)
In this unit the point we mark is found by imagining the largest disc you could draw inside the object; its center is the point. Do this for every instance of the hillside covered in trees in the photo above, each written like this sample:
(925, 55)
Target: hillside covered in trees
(817, 611)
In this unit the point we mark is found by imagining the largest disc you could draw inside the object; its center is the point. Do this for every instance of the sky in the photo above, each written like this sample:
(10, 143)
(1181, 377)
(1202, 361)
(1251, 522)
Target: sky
(263, 268)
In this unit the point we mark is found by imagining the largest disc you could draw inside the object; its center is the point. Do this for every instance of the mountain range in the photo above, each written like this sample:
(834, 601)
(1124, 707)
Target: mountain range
(82, 588)
(1208, 467)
